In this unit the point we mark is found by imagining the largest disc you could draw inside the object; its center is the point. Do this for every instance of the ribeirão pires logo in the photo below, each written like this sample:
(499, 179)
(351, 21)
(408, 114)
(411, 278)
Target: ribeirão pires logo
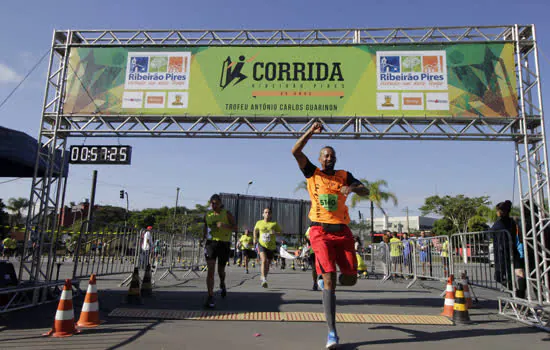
(265, 71)
(157, 71)
(411, 70)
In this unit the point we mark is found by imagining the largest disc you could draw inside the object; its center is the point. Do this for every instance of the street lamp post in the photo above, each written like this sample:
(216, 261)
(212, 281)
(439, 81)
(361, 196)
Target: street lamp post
(127, 209)
(175, 209)
(248, 187)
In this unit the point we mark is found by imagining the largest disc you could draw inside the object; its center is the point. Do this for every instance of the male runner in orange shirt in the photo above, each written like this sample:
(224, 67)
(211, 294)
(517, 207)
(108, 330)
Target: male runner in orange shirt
(331, 238)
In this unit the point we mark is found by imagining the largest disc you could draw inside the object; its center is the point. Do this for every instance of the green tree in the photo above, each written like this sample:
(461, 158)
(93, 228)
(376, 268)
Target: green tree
(4, 219)
(17, 205)
(477, 224)
(109, 215)
(377, 196)
(443, 227)
(459, 209)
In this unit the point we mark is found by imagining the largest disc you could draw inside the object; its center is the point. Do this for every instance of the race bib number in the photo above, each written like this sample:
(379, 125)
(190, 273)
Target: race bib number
(266, 237)
(329, 201)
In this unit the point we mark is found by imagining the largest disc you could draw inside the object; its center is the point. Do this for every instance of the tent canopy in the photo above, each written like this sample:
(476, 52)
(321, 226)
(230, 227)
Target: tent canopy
(18, 155)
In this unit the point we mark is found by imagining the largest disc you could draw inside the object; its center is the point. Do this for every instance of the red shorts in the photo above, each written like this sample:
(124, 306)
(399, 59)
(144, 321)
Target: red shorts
(333, 248)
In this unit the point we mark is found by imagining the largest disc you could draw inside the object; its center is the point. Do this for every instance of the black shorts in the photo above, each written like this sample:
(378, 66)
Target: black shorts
(217, 250)
(249, 253)
(311, 259)
(268, 253)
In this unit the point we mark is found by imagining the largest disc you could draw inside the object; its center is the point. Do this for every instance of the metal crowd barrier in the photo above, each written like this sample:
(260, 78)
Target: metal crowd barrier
(432, 258)
(401, 262)
(486, 257)
(105, 251)
(182, 254)
(377, 260)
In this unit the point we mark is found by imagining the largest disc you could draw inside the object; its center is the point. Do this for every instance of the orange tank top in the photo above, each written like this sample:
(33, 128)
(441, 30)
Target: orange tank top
(328, 205)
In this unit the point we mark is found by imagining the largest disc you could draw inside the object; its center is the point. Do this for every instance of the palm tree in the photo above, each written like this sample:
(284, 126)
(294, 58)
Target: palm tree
(302, 185)
(376, 197)
(16, 205)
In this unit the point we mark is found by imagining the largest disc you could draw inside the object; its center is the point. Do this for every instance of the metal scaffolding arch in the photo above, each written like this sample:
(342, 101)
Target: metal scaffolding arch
(526, 129)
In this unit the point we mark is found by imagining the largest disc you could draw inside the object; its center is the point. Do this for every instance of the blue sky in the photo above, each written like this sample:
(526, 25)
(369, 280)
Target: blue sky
(413, 169)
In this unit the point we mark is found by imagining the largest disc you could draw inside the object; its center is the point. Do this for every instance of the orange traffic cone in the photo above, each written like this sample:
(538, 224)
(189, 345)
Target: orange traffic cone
(89, 317)
(467, 295)
(448, 308)
(63, 325)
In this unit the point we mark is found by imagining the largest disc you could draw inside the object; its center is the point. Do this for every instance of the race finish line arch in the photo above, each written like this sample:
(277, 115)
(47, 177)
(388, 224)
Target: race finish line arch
(432, 83)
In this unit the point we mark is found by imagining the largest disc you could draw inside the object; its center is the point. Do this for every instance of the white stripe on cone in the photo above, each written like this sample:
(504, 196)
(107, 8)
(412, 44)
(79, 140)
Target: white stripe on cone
(63, 315)
(450, 288)
(67, 295)
(92, 288)
(449, 302)
(90, 307)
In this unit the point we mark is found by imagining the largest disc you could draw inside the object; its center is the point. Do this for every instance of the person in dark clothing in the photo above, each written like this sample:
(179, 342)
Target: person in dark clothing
(508, 252)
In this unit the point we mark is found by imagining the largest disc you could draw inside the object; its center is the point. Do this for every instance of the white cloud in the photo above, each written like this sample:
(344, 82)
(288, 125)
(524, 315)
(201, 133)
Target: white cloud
(8, 75)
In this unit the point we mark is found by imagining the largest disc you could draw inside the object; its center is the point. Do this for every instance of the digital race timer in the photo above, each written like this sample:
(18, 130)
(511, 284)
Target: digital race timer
(85, 154)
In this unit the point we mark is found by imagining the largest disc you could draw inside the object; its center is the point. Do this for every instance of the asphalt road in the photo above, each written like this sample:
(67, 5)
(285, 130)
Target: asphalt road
(290, 291)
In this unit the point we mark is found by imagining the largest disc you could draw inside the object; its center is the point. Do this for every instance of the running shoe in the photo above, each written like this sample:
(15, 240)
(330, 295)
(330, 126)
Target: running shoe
(264, 284)
(315, 287)
(223, 290)
(210, 302)
(321, 283)
(332, 341)
(247, 271)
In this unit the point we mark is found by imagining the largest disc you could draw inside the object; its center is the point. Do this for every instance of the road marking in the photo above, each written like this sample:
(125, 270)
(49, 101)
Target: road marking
(280, 316)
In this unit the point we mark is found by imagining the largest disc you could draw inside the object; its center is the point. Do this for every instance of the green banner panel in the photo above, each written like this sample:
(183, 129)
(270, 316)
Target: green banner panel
(452, 80)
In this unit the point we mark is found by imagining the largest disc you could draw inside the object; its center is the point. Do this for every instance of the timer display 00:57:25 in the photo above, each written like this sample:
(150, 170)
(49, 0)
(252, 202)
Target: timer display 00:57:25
(100, 154)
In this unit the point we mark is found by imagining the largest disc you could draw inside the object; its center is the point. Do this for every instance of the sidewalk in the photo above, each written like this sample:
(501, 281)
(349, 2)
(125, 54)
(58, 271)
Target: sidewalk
(290, 291)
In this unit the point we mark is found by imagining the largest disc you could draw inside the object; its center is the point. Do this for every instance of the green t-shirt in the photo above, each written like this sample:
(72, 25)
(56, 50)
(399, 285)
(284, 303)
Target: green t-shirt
(246, 242)
(10, 243)
(267, 238)
(445, 249)
(396, 247)
(218, 234)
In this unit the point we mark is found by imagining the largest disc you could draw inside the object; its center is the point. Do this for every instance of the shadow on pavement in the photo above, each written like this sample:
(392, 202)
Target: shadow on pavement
(421, 336)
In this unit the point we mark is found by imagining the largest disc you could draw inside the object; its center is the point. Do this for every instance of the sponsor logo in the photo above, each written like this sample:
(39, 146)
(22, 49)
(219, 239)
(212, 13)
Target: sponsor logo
(437, 101)
(412, 70)
(155, 99)
(235, 71)
(412, 101)
(157, 70)
(132, 99)
(177, 99)
(387, 101)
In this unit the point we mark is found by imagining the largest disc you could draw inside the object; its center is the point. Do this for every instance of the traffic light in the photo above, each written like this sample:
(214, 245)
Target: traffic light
(121, 194)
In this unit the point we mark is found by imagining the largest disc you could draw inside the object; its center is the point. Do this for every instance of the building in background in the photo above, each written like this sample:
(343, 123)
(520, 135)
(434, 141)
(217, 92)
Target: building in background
(400, 223)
